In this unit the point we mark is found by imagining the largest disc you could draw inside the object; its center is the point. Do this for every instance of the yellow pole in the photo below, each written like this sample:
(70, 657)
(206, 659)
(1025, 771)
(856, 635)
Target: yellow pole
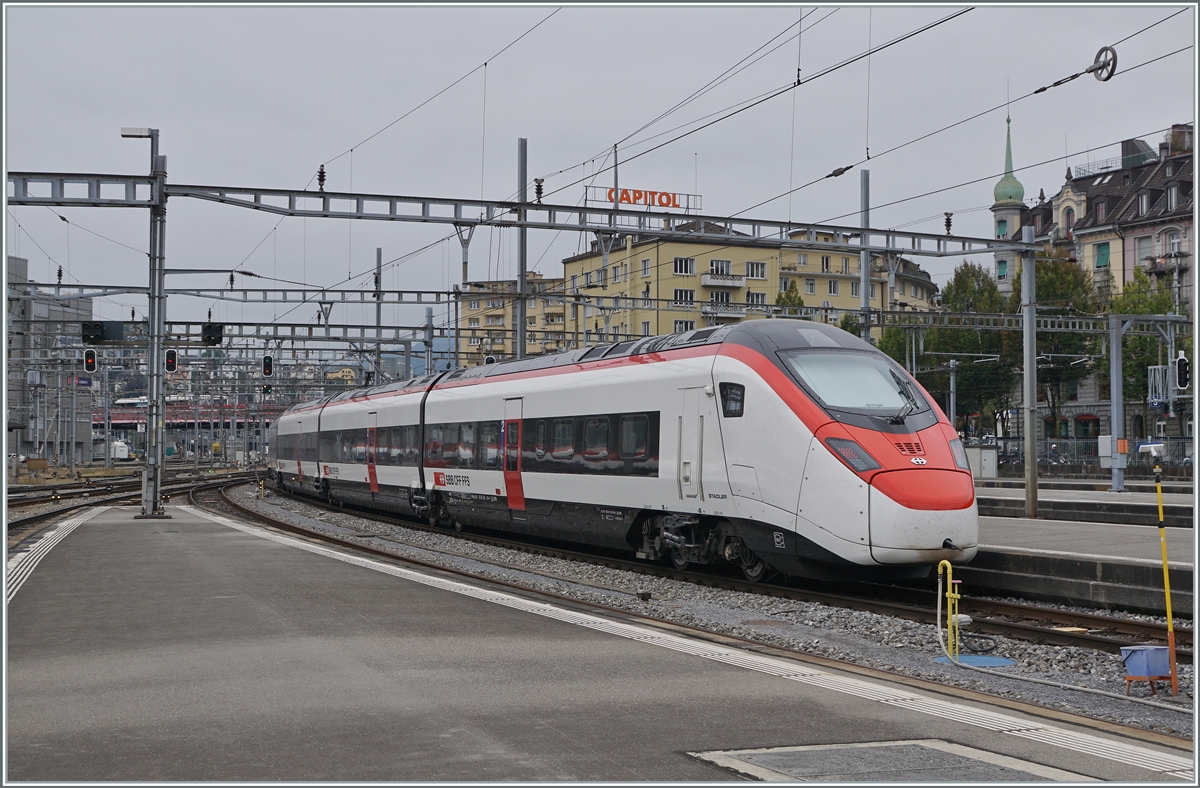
(1162, 539)
(951, 609)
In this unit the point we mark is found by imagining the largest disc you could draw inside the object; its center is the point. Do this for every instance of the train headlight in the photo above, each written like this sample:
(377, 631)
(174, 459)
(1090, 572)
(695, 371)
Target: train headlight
(960, 454)
(852, 454)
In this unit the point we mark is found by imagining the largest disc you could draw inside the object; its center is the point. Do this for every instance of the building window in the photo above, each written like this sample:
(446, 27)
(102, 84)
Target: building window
(803, 260)
(685, 266)
(1160, 428)
(784, 284)
(646, 298)
(845, 265)
(724, 267)
(1001, 228)
(1144, 248)
(1174, 243)
(616, 273)
(854, 289)
(473, 323)
(756, 270)
(1101, 210)
(685, 297)
(810, 286)
(1037, 224)
(756, 299)
(587, 278)
(645, 328)
(872, 291)
(1068, 220)
(494, 320)
(719, 297)
(825, 264)
(1143, 204)
(472, 305)
(900, 287)
(833, 287)
(1101, 255)
(684, 325)
(646, 267)
(1172, 197)
(602, 276)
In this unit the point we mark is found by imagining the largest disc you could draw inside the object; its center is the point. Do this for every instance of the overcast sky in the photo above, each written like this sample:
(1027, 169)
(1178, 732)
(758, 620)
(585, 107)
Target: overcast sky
(262, 96)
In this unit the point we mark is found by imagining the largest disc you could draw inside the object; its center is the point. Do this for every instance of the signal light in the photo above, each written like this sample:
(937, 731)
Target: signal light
(268, 364)
(172, 360)
(89, 361)
(92, 332)
(1183, 371)
(266, 388)
(212, 333)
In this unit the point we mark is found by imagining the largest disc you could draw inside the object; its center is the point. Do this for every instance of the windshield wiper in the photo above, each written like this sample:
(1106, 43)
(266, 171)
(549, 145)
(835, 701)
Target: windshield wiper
(911, 401)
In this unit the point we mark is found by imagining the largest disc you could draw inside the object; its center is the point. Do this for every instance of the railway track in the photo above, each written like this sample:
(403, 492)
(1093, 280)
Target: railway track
(1017, 621)
(70, 490)
(20, 528)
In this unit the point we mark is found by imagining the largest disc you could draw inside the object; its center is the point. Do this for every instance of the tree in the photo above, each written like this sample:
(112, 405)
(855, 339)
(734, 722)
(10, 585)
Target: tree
(1139, 297)
(983, 387)
(852, 324)
(1063, 288)
(790, 297)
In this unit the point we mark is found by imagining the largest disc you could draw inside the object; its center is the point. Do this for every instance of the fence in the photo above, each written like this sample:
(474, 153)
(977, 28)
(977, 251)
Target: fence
(1083, 451)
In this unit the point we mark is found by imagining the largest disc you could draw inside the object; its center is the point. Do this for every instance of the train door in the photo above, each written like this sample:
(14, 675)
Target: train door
(691, 445)
(371, 444)
(299, 453)
(512, 459)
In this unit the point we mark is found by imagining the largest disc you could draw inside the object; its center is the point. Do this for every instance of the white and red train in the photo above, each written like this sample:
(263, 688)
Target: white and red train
(774, 444)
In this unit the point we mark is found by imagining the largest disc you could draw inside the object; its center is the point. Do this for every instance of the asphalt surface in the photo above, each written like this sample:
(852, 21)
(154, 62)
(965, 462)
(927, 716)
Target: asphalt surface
(183, 649)
(1118, 542)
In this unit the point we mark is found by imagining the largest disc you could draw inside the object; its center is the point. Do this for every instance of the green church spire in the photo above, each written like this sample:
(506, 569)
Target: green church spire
(1009, 189)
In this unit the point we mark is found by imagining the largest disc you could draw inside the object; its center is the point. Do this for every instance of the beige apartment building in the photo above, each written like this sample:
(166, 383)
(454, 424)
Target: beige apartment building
(652, 286)
(488, 319)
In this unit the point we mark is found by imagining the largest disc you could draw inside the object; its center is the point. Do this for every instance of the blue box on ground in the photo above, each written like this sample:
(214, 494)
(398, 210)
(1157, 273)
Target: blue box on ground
(1146, 660)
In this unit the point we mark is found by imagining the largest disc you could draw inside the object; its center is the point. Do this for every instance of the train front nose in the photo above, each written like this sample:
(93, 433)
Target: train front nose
(923, 515)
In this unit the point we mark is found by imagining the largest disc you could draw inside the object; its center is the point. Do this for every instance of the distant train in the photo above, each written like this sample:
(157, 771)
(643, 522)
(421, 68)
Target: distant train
(772, 444)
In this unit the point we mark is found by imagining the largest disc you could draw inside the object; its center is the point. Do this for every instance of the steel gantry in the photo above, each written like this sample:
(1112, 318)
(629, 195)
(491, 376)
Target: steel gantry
(606, 223)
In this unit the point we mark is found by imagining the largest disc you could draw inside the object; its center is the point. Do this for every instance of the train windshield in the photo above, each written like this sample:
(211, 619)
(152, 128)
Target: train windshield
(855, 381)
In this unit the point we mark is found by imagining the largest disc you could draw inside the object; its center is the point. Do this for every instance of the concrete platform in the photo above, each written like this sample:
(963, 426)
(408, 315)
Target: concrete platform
(194, 650)
(1134, 508)
(1102, 564)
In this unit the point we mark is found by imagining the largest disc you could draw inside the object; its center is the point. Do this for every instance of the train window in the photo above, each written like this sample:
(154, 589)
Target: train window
(360, 447)
(539, 443)
(383, 451)
(465, 454)
(308, 447)
(436, 445)
(860, 381)
(634, 432)
(595, 439)
(733, 400)
(564, 439)
(489, 444)
(513, 448)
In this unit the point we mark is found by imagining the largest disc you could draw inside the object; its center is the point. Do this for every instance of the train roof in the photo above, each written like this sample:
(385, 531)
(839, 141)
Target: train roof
(766, 336)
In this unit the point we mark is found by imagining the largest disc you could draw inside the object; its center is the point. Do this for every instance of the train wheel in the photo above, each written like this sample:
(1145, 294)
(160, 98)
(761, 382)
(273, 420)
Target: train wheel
(754, 568)
(678, 561)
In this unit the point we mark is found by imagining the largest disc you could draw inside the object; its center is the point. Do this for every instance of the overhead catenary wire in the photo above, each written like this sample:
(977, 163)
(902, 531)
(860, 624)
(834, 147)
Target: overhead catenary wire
(782, 91)
(841, 170)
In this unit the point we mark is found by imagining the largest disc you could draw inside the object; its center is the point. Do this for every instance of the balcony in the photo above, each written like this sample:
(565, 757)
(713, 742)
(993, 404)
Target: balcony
(722, 280)
(721, 311)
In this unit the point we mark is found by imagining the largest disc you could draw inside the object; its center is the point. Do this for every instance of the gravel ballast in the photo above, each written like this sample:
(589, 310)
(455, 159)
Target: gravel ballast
(862, 638)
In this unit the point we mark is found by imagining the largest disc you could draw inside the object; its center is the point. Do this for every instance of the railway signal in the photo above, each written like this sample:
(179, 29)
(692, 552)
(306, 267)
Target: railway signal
(89, 361)
(268, 366)
(172, 360)
(1183, 371)
(266, 389)
(212, 333)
